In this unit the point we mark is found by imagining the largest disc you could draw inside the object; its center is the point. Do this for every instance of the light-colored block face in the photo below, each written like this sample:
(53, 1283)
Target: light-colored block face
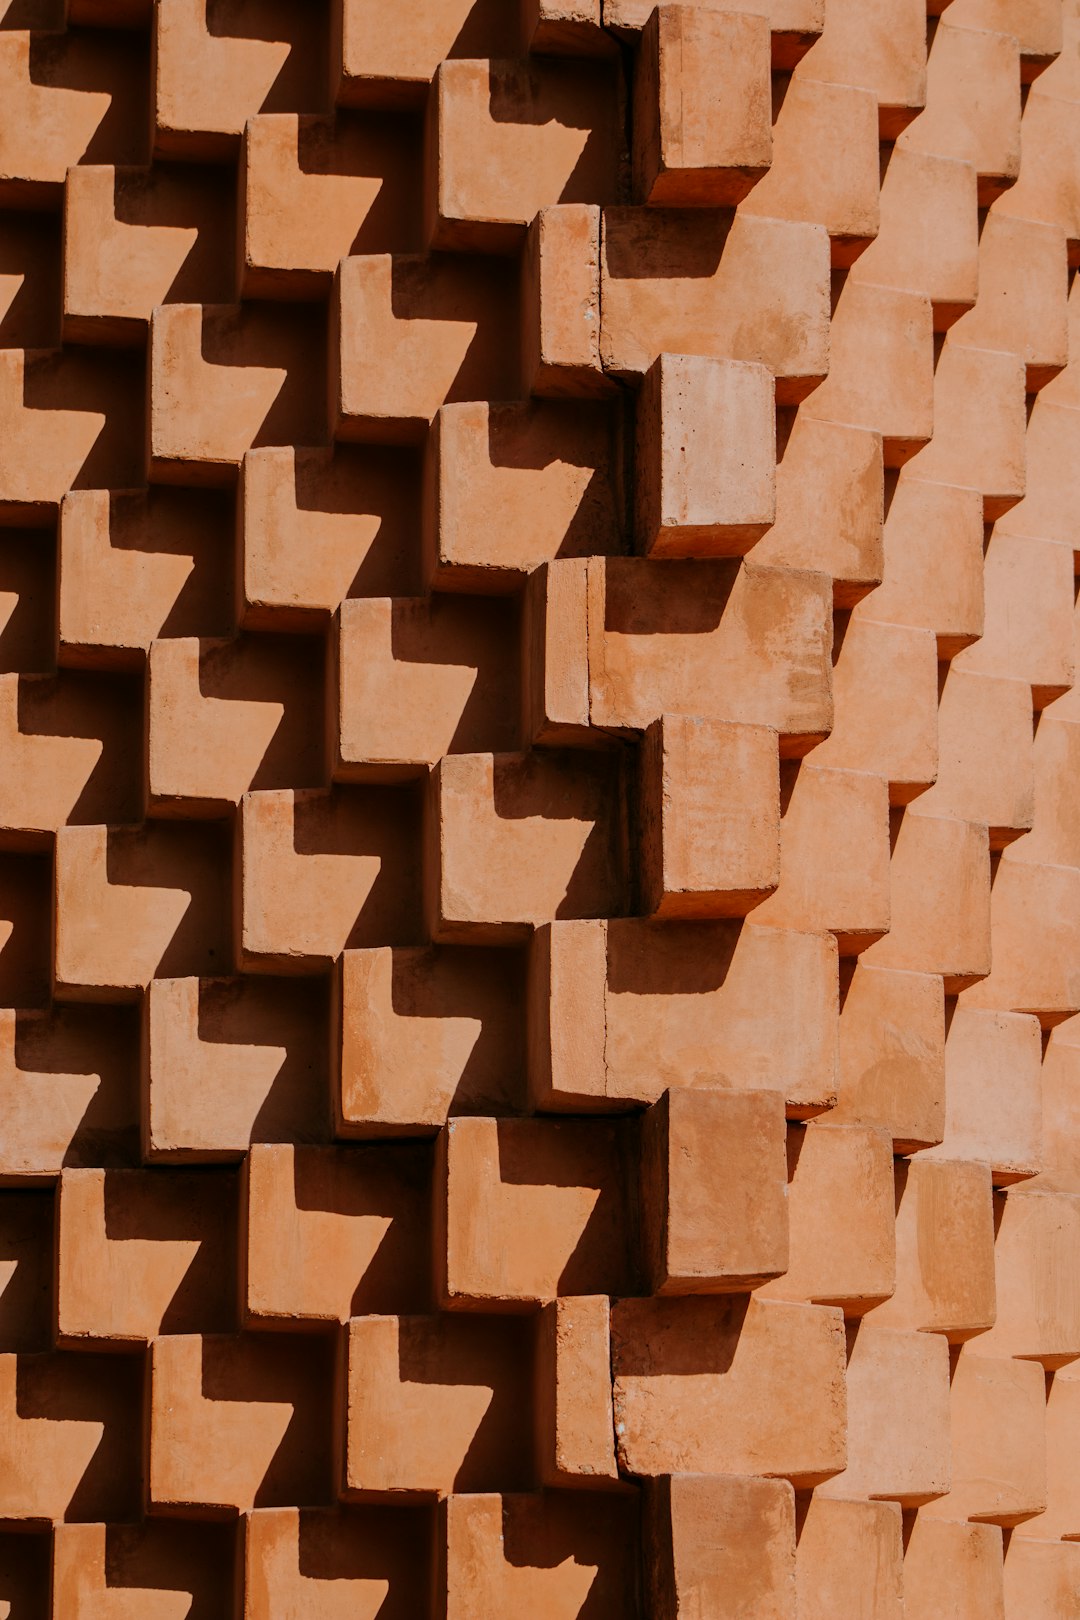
(721, 1541)
(850, 1556)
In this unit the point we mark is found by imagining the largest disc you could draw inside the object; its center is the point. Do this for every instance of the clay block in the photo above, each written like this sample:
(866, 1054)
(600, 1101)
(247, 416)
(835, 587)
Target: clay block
(1062, 1514)
(849, 1560)
(713, 1192)
(898, 1417)
(838, 187)
(335, 1561)
(225, 717)
(316, 527)
(1041, 1580)
(415, 678)
(152, 1569)
(25, 929)
(332, 1232)
(829, 505)
(720, 1542)
(135, 903)
(555, 655)
(437, 1404)
(565, 28)
(1038, 1314)
(944, 1250)
(795, 24)
(840, 1212)
(426, 1031)
(1056, 837)
(688, 638)
(990, 456)
(136, 238)
(882, 47)
(410, 334)
(238, 1422)
(892, 1055)
(322, 872)
(984, 751)
(973, 105)
(701, 140)
(514, 840)
(526, 1210)
(997, 1410)
(50, 773)
(1033, 973)
(69, 1438)
(575, 1440)
(818, 891)
(382, 58)
(30, 282)
(708, 817)
(140, 1253)
(135, 565)
(510, 487)
(560, 303)
(1023, 296)
(933, 563)
(1058, 1107)
(928, 237)
(1028, 630)
(228, 1062)
(612, 1019)
(697, 1385)
(940, 902)
(706, 455)
(506, 139)
(701, 283)
(955, 1564)
(27, 1254)
(547, 1553)
(885, 692)
(315, 190)
(201, 423)
(993, 1091)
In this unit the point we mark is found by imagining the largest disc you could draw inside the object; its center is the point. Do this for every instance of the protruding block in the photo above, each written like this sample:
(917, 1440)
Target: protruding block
(575, 1440)
(1038, 1297)
(560, 303)
(720, 1541)
(944, 1250)
(850, 1557)
(997, 1427)
(343, 1563)
(951, 1563)
(892, 1055)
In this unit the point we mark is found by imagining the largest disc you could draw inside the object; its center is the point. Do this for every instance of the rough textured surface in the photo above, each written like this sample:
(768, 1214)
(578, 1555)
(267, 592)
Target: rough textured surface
(539, 851)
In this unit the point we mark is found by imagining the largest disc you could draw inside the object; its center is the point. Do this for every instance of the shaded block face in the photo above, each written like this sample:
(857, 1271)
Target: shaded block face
(850, 1559)
(346, 1561)
(158, 1566)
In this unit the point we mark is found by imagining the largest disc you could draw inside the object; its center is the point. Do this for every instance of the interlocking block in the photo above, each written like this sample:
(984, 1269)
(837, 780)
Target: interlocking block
(885, 693)
(68, 1085)
(973, 105)
(1023, 296)
(224, 717)
(928, 236)
(898, 1417)
(438, 1404)
(702, 138)
(944, 1250)
(409, 334)
(316, 189)
(321, 872)
(337, 1562)
(515, 840)
(881, 368)
(414, 678)
(954, 1564)
(612, 1019)
(1037, 26)
(136, 903)
(998, 1410)
(228, 1062)
(426, 1031)
(825, 164)
(713, 1191)
(238, 1422)
(224, 378)
(988, 456)
(575, 1440)
(737, 1386)
(136, 238)
(541, 1553)
(840, 1211)
(709, 284)
(528, 1209)
(159, 1570)
(994, 1092)
(317, 526)
(823, 812)
(508, 138)
(690, 638)
(881, 47)
(209, 82)
(1038, 1315)
(512, 486)
(560, 303)
(933, 542)
(892, 1055)
(140, 1253)
(332, 1232)
(708, 817)
(1040, 1579)
(80, 95)
(985, 754)
(69, 1428)
(134, 564)
(1033, 972)
(717, 1542)
(850, 1557)
(830, 497)
(383, 58)
(1028, 633)
(939, 914)
(706, 457)
(795, 24)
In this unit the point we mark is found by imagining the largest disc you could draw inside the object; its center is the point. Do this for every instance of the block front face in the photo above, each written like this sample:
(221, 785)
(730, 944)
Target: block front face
(539, 851)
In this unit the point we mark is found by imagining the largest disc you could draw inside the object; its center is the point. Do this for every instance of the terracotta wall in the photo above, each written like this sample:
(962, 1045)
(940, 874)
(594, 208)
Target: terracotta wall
(539, 832)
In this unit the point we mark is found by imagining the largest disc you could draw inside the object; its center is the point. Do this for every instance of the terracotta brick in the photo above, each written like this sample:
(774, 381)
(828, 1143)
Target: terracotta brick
(69, 1438)
(984, 754)
(575, 1440)
(883, 49)
(993, 1091)
(154, 1568)
(795, 24)
(933, 563)
(849, 1560)
(958, 1564)
(341, 1560)
(1062, 1512)
(1038, 1315)
(892, 1054)
(1041, 1580)
(874, 663)
(387, 59)
(560, 303)
(973, 104)
(928, 237)
(939, 919)
(725, 1541)
(997, 1416)
(944, 1250)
